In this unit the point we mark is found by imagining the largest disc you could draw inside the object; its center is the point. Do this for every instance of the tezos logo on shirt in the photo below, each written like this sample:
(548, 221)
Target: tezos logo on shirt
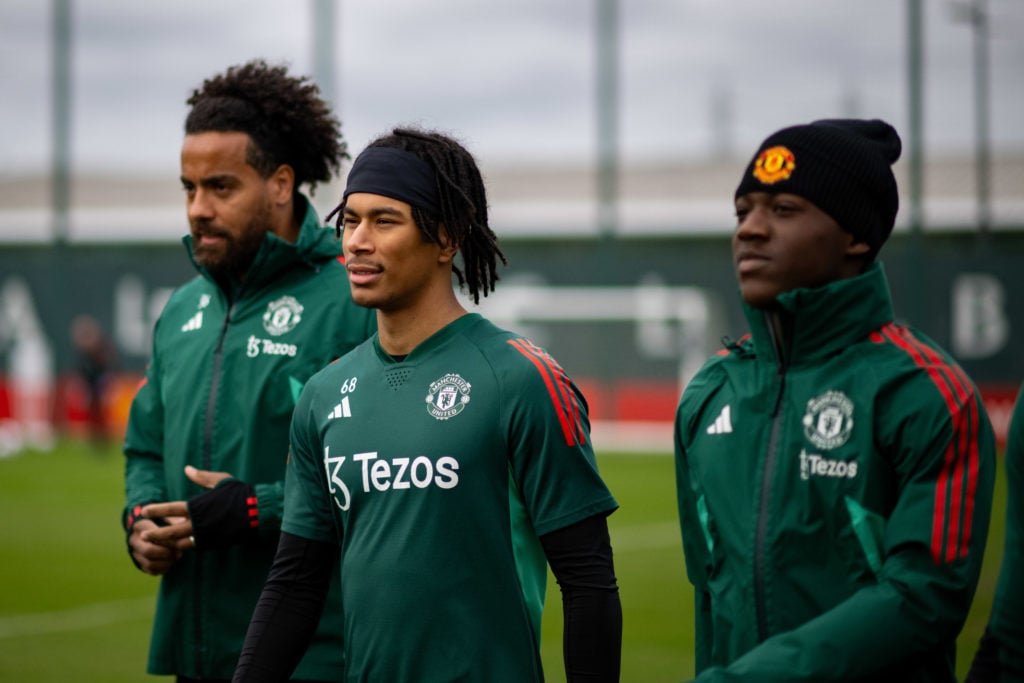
(829, 420)
(448, 396)
(282, 315)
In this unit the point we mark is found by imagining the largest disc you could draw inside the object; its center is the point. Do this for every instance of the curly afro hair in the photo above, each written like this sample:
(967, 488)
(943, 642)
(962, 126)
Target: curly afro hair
(285, 117)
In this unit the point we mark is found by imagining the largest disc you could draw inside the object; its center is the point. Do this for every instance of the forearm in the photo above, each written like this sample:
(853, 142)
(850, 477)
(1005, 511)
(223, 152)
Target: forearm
(288, 611)
(581, 559)
(144, 480)
(872, 635)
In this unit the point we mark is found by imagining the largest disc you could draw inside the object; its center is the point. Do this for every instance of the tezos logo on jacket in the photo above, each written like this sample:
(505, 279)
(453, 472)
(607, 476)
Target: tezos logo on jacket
(282, 315)
(829, 420)
(448, 396)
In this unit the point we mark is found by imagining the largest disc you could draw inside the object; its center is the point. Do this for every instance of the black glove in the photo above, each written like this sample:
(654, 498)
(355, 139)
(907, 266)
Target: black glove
(985, 667)
(225, 515)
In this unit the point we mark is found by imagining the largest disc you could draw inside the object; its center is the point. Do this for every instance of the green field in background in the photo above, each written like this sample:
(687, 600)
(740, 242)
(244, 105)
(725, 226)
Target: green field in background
(74, 608)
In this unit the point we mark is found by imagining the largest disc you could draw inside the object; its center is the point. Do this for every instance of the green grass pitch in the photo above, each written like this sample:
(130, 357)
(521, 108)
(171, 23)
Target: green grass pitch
(72, 606)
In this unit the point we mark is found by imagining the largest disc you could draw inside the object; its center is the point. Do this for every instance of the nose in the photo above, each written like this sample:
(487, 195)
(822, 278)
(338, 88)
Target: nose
(355, 237)
(753, 225)
(199, 206)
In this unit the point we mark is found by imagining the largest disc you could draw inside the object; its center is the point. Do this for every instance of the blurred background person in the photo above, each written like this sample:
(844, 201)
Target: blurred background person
(95, 359)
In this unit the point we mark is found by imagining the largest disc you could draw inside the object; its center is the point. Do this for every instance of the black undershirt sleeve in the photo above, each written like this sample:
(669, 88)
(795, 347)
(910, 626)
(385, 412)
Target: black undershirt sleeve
(288, 611)
(580, 556)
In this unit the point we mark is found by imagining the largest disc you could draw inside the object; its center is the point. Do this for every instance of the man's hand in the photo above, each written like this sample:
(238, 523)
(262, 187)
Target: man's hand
(152, 557)
(205, 478)
(157, 548)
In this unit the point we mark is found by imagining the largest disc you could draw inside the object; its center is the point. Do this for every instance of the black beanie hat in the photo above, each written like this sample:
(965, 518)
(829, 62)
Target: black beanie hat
(842, 166)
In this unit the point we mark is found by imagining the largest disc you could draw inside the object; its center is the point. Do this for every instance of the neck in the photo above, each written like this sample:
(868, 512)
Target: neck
(401, 331)
(287, 222)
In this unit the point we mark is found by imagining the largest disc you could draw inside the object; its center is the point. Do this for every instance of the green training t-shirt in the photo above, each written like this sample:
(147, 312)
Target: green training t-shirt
(436, 476)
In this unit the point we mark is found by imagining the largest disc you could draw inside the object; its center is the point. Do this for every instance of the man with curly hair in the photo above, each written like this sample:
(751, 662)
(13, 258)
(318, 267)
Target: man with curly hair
(207, 437)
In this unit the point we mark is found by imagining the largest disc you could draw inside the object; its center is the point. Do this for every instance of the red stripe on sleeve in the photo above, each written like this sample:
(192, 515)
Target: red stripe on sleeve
(565, 391)
(967, 429)
(545, 372)
(961, 458)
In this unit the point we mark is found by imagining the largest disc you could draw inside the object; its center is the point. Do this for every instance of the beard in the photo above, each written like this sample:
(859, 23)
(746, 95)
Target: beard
(231, 260)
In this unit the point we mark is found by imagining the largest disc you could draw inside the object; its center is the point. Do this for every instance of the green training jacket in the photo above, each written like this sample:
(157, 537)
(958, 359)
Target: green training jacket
(225, 372)
(834, 489)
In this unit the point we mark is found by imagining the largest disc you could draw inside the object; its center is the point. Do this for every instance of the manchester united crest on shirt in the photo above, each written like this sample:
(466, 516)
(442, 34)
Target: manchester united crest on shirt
(448, 396)
(829, 420)
(282, 315)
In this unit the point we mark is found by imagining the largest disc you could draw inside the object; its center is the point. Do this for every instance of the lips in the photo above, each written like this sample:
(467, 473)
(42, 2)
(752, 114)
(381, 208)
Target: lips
(206, 234)
(747, 261)
(362, 273)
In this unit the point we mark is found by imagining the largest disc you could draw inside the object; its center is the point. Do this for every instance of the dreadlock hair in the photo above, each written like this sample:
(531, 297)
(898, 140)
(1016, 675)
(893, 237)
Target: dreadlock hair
(463, 202)
(284, 116)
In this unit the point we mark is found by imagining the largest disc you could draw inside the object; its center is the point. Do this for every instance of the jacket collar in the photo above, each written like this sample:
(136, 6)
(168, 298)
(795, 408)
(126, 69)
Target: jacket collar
(314, 245)
(823, 321)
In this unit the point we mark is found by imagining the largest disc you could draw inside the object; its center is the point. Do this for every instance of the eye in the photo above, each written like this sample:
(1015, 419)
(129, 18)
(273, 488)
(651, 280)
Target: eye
(784, 208)
(742, 210)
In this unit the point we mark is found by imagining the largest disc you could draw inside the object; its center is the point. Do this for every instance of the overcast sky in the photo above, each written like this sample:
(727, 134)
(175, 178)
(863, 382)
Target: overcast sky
(515, 79)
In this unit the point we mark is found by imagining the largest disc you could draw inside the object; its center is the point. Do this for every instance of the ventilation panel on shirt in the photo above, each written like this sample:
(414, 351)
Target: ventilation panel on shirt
(397, 377)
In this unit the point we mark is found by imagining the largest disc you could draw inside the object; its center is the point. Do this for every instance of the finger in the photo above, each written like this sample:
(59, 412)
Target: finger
(173, 536)
(178, 508)
(154, 559)
(205, 478)
(141, 524)
(159, 566)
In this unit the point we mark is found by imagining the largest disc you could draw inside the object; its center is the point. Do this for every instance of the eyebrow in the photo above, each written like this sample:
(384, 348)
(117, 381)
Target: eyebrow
(222, 179)
(378, 211)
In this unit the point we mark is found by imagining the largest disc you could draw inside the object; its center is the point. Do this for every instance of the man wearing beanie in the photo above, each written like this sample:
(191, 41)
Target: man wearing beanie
(834, 468)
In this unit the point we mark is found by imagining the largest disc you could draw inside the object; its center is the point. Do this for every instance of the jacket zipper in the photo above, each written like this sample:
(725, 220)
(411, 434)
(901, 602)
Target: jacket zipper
(766, 479)
(207, 463)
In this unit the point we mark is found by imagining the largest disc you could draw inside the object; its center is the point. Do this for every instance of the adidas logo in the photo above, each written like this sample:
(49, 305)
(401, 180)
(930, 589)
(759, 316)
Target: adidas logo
(340, 410)
(722, 423)
(194, 323)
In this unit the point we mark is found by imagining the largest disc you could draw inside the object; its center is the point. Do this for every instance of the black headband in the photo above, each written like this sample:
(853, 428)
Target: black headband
(394, 173)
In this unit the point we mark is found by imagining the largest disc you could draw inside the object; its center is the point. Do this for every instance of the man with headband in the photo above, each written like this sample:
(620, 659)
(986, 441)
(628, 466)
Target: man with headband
(441, 465)
(834, 467)
(207, 435)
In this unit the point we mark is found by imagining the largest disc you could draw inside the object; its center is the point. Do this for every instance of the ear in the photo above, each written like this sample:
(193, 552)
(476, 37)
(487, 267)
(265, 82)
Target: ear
(282, 184)
(448, 249)
(858, 249)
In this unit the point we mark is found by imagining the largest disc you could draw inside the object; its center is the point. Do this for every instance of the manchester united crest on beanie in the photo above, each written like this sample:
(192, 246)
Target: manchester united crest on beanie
(843, 166)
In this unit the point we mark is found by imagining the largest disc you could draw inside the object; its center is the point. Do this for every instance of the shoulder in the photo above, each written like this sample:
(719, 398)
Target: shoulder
(899, 354)
(914, 377)
(513, 356)
(709, 381)
(191, 293)
(728, 369)
(728, 362)
(186, 303)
